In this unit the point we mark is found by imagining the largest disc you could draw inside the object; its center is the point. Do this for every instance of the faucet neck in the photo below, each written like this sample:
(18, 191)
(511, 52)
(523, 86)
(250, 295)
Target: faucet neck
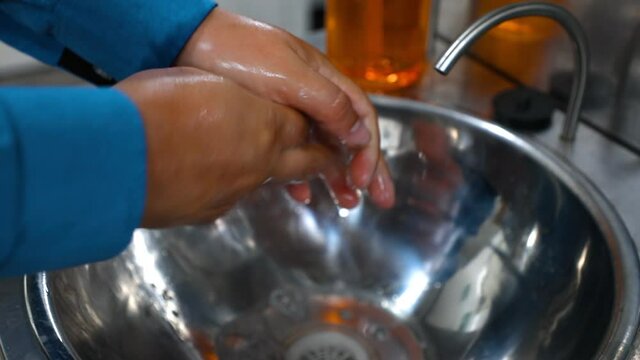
(511, 12)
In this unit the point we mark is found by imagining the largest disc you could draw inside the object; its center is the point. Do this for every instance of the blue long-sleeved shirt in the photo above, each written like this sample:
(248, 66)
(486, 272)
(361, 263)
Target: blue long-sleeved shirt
(73, 160)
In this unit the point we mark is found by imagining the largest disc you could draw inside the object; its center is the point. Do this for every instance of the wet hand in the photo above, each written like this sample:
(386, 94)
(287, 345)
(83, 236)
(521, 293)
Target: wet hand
(210, 142)
(277, 66)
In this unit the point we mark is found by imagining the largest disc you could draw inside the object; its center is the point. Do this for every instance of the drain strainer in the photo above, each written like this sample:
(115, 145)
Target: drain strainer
(300, 325)
(326, 345)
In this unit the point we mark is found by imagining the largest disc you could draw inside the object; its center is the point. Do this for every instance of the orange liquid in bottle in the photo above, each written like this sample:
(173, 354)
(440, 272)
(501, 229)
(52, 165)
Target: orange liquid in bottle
(380, 44)
(519, 47)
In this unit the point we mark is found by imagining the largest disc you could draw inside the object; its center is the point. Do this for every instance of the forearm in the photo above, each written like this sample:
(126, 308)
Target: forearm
(120, 37)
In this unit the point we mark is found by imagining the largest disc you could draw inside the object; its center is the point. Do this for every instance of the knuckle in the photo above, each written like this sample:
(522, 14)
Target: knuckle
(269, 139)
(282, 91)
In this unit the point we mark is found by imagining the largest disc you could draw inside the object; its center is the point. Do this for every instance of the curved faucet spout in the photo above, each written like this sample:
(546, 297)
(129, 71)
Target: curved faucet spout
(557, 13)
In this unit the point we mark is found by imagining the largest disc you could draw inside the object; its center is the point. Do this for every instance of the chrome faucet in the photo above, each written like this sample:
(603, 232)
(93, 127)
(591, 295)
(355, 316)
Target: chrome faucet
(510, 12)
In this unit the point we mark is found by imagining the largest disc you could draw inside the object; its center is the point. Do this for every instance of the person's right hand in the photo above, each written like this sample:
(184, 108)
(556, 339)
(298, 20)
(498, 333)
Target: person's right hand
(210, 142)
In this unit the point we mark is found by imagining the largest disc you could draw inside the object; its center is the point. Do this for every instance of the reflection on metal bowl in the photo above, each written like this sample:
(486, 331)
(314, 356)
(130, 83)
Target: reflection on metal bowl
(495, 250)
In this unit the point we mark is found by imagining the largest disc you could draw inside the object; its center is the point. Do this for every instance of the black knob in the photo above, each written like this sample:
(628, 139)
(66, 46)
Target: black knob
(523, 109)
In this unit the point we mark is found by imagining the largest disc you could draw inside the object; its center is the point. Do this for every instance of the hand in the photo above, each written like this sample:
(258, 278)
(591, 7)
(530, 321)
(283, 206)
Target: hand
(276, 65)
(210, 142)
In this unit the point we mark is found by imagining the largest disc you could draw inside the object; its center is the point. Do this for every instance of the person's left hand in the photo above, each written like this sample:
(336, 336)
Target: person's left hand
(280, 67)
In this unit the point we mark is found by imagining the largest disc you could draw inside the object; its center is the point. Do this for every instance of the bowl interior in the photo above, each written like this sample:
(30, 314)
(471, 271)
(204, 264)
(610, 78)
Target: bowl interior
(487, 255)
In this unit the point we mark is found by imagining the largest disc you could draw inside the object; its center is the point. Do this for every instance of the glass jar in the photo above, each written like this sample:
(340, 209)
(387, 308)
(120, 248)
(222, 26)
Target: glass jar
(380, 44)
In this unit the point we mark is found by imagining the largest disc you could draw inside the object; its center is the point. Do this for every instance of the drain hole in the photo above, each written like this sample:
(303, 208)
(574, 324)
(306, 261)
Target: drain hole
(326, 345)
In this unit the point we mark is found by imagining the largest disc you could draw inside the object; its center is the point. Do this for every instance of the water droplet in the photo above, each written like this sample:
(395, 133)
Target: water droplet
(377, 332)
(287, 302)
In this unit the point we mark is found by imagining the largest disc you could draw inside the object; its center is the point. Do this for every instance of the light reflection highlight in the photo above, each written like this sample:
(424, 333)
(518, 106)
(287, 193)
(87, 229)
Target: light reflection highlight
(344, 212)
(404, 304)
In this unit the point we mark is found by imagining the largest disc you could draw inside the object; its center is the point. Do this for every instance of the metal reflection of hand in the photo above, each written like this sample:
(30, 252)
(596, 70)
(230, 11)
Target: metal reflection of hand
(434, 188)
(428, 180)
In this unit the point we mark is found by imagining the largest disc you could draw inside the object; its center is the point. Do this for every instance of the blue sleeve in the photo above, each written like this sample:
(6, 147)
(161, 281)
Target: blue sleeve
(120, 37)
(72, 176)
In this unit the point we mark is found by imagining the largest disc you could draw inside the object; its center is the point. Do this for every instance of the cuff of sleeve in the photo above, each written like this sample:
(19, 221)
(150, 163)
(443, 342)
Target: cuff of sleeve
(82, 155)
(124, 37)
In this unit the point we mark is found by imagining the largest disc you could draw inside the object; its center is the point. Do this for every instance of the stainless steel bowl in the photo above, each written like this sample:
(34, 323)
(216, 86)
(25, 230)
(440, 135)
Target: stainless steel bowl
(495, 250)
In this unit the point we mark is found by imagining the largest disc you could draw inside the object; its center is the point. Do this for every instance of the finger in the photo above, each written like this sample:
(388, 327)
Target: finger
(302, 162)
(300, 192)
(323, 101)
(344, 194)
(382, 190)
(358, 163)
(360, 168)
(365, 160)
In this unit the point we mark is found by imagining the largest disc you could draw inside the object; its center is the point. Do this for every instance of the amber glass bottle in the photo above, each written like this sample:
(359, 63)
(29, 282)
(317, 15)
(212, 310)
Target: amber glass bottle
(381, 44)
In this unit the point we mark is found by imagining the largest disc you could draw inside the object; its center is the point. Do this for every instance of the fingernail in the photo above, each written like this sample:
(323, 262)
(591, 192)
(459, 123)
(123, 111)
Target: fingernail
(359, 134)
(382, 185)
(360, 183)
(390, 193)
(386, 187)
(349, 180)
(351, 197)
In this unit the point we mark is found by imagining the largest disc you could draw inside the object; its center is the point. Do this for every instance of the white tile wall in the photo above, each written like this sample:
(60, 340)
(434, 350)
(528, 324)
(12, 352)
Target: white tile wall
(293, 15)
